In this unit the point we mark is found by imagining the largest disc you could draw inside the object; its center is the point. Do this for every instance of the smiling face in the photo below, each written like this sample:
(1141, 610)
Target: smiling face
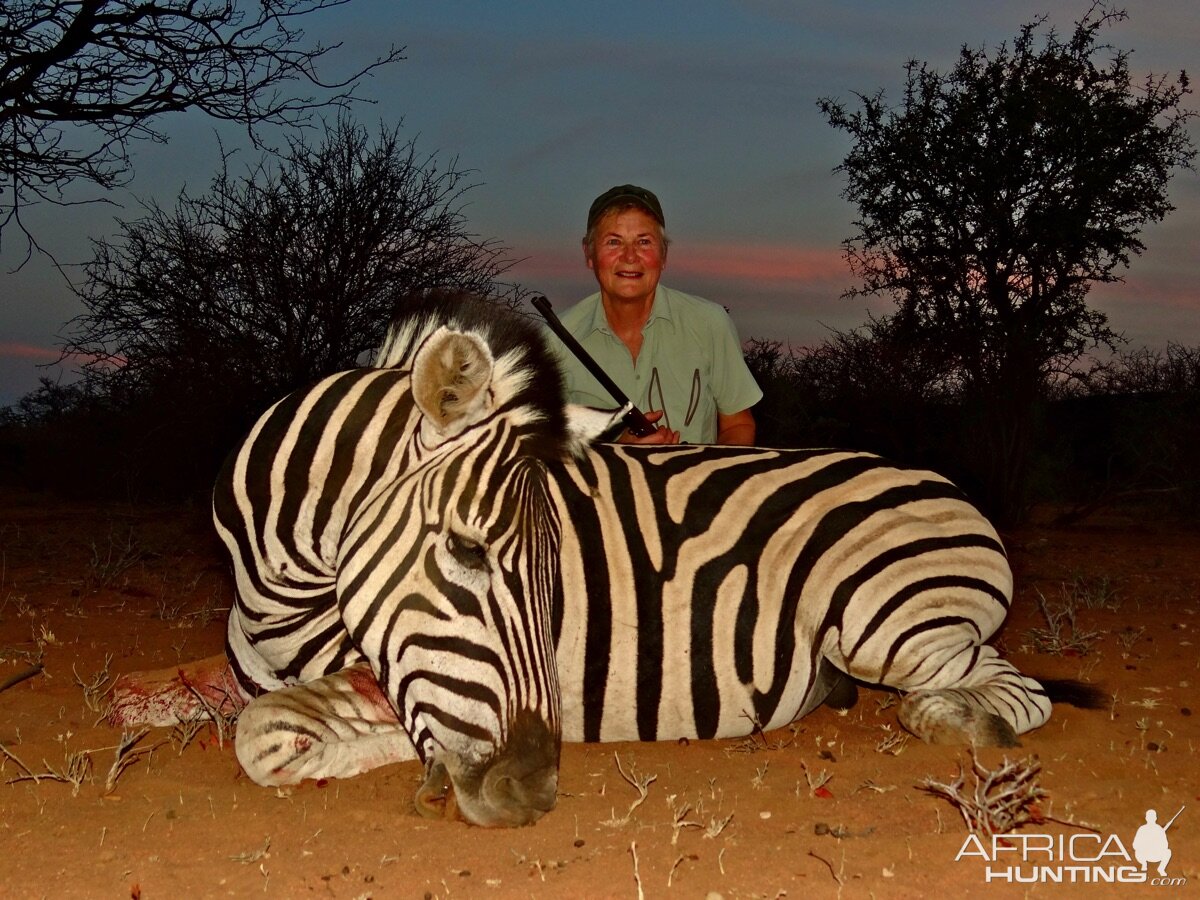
(627, 253)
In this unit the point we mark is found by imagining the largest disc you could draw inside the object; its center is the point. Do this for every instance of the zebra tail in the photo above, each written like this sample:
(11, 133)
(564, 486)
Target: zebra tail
(1074, 693)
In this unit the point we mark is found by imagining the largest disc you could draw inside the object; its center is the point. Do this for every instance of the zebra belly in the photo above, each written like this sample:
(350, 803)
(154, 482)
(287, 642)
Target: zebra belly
(676, 712)
(616, 687)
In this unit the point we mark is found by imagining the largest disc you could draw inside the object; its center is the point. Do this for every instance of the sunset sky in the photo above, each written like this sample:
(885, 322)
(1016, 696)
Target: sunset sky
(711, 105)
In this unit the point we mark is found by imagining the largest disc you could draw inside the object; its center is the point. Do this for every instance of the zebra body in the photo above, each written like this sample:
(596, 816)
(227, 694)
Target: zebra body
(735, 584)
(430, 563)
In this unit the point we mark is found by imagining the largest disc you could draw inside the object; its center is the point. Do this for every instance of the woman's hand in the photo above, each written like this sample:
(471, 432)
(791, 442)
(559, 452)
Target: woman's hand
(661, 435)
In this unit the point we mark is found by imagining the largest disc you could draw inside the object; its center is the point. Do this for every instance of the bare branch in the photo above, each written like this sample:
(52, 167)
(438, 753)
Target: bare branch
(81, 80)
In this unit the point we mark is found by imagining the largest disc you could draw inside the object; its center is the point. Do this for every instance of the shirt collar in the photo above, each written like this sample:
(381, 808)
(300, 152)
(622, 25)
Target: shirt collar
(661, 309)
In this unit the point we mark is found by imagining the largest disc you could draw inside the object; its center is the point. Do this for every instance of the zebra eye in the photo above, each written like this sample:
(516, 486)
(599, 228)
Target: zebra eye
(470, 554)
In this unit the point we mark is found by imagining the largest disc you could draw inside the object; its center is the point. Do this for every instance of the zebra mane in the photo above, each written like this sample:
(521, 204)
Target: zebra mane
(527, 378)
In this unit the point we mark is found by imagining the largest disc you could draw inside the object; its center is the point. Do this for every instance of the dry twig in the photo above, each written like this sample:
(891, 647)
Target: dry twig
(680, 821)
(93, 691)
(1061, 634)
(832, 870)
(815, 783)
(757, 739)
(1000, 800)
(126, 756)
(637, 876)
(254, 855)
(716, 826)
(638, 783)
(223, 715)
(76, 769)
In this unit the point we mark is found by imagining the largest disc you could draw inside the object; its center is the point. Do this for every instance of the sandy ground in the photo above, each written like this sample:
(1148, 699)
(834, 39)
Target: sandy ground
(828, 807)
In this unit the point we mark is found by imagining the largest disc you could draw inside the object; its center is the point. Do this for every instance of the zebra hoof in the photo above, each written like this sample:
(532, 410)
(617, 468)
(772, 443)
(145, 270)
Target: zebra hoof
(940, 718)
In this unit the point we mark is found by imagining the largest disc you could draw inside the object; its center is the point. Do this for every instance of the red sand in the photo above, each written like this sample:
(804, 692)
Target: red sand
(733, 817)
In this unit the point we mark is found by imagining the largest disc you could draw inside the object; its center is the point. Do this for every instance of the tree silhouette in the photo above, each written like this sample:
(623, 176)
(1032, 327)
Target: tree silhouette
(200, 316)
(80, 80)
(992, 199)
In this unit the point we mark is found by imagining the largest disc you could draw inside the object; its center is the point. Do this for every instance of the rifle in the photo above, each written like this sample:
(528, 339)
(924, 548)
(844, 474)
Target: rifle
(634, 419)
(1174, 817)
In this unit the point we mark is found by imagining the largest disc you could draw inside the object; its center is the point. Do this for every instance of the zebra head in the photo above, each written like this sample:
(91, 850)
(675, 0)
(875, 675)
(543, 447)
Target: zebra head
(448, 578)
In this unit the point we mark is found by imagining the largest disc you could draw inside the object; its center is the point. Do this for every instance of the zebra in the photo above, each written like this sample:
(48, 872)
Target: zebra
(464, 575)
(393, 539)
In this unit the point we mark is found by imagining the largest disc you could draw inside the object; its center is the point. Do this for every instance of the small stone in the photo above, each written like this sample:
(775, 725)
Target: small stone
(579, 842)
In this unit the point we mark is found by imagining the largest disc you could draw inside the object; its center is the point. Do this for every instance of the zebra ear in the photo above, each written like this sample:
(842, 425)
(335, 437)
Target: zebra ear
(586, 424)
(450, 379)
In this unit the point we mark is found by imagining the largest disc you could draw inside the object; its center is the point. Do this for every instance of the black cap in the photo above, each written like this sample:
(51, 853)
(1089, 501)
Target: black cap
(625, 193)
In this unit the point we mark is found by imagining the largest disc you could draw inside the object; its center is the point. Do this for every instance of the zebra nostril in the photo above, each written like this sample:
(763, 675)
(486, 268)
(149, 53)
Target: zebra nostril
(435, 797)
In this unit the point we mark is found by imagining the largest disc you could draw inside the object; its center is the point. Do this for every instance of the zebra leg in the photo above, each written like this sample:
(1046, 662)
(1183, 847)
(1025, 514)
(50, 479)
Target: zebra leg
(957, 689)
(177, 694)
(987, 706)
(333, 727)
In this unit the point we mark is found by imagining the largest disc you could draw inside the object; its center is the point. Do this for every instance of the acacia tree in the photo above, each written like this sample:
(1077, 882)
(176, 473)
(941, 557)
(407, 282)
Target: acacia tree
(213, 309)
(995, 195)
(80, 80)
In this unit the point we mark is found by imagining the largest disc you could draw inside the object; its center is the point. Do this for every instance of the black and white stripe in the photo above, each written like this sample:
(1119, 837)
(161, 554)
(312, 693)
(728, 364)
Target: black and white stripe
(483, 568)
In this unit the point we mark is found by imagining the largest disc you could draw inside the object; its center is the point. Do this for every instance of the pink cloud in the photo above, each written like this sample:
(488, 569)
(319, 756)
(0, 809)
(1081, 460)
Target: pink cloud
(767, 264)
(29, 351)
(42, 355)
(1149, 289)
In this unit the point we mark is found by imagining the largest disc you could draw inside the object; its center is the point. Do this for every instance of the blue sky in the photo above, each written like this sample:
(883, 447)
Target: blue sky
(712, 105)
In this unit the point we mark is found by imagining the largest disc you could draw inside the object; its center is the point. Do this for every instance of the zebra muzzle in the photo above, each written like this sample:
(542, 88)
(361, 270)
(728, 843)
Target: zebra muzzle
(515, 786)
(524, 792)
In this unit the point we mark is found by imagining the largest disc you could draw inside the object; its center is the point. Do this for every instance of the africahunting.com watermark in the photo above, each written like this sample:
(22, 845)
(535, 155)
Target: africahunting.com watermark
(1076, 858)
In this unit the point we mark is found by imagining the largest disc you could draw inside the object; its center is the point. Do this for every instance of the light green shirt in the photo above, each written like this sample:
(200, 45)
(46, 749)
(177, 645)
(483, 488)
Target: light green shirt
(690, 364)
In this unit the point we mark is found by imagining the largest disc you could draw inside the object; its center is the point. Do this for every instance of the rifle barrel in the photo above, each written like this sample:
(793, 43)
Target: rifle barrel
(1174, 817)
